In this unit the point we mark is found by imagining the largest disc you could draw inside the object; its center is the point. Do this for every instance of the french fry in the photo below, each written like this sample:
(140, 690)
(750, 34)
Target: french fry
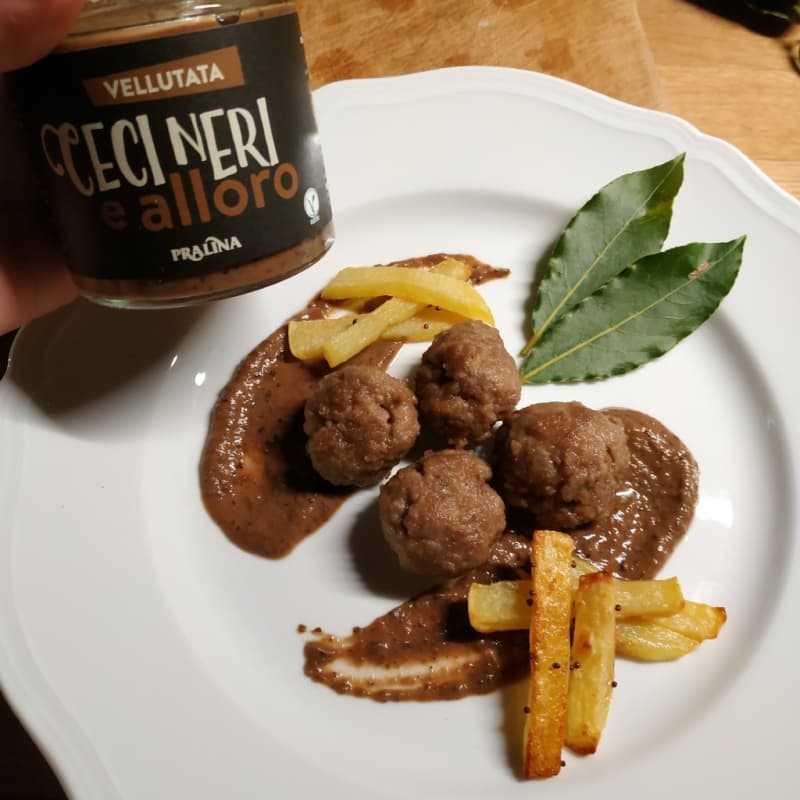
(307, 337)
(423, 326)
(550, 619)
(454, 268)
(367, 328)
(582, 567)
(592, 664)
(417, 286)
(508, 610)
(654, 598)
(648, 641)
(645, 620)
(698, 621)
(500, 606)
(569, 700)
(639, 598)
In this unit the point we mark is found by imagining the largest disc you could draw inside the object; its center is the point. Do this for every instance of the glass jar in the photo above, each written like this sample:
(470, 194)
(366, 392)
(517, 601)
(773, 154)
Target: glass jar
(177, 149)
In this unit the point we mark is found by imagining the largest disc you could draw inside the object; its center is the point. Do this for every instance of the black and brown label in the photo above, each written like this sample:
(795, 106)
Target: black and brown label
(179, 155)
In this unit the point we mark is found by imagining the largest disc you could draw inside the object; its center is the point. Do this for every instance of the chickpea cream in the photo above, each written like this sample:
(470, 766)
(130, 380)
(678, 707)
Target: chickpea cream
(177, 149)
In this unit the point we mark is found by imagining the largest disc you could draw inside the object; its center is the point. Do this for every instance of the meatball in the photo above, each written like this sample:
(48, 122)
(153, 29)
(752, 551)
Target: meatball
(562, 462)
(467, 381)
(360, 422)
(440, 515)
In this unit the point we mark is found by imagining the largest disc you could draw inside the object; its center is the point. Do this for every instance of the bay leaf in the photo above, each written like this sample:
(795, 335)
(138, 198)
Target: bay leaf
(637, 316)
(627, 219)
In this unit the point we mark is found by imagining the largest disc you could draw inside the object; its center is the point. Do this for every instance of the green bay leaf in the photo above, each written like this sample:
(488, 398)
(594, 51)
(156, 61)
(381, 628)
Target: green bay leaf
(627, 219)
(636, 316)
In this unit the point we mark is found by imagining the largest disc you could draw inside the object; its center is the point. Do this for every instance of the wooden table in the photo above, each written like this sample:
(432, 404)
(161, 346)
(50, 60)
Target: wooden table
(674, 55)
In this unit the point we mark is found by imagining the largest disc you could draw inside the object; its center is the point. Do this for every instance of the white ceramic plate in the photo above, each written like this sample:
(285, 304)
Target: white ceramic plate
(153, 659)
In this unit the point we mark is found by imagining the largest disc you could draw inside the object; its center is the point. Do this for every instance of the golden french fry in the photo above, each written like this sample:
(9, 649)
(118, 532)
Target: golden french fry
(307, 337)
(592, 664)
(454, 268)
(648, 641)
(582, 567)
(648, 598)
(551, 560)
(698, 621)
(367, 328)
(500, 606)
(418, 286)
(423, 326)
(508, 610)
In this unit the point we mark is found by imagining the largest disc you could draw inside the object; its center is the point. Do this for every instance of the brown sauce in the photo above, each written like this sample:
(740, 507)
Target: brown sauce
(256, 480)
(425, 649)
(259, 487)
(654, 505)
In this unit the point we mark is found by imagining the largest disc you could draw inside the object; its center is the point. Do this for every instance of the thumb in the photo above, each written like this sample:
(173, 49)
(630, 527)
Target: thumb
(29, 29)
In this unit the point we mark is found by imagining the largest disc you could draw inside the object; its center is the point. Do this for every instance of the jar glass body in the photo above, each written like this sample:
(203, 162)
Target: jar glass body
(178, 149)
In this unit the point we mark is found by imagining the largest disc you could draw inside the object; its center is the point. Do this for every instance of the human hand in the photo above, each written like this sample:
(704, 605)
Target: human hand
(33, 277)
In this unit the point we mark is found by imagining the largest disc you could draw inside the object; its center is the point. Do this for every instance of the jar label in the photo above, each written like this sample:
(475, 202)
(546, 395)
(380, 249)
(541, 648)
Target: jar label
(178, 156)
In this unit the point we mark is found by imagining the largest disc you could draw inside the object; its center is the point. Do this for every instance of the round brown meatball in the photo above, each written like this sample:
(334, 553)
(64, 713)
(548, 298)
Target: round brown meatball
(360, 422)
(562, 462)
(467, 381)
(440, 515)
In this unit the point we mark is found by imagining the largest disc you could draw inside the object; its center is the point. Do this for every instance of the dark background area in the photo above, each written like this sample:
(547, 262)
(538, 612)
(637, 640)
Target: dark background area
(24, 772)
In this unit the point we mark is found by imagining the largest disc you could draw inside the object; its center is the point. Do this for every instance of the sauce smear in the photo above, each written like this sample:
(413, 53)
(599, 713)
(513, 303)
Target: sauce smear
(256, 480)
(655, 503)
(425, 649)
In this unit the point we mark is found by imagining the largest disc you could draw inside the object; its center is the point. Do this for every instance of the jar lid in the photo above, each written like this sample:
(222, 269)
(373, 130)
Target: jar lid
(103, 15)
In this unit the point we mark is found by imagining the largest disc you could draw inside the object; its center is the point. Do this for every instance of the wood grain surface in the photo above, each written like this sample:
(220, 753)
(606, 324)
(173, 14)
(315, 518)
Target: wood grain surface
(714, 70)
(598, 43)
(732, 77)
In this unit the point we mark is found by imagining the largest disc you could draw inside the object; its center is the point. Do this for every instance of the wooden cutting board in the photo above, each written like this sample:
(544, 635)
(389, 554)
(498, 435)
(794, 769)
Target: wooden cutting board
(700, 59)
(597, 43)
